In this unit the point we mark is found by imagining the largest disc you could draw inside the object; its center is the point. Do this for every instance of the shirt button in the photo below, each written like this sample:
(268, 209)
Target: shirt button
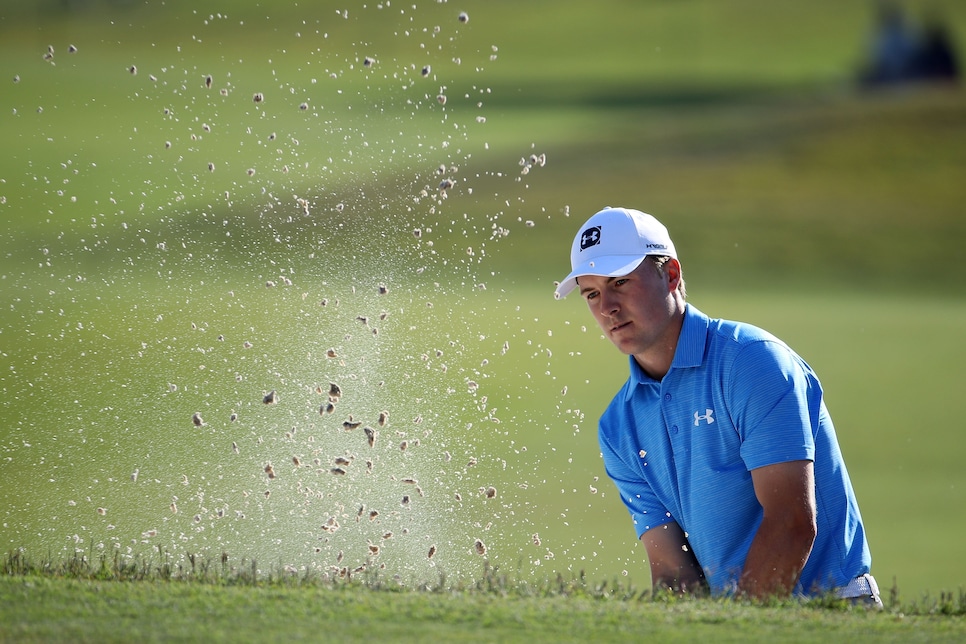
(674, 430)
(667, 396)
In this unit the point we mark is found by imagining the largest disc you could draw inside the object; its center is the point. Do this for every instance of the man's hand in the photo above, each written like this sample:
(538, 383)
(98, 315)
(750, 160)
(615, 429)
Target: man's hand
(673, 565)
(786, 492)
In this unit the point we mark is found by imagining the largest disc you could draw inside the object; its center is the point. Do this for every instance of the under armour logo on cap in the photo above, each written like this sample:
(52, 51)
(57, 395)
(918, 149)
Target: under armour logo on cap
(590, 237)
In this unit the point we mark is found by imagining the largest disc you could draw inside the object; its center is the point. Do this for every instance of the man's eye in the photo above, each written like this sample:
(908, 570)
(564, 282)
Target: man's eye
(591, 296)
(620, 281)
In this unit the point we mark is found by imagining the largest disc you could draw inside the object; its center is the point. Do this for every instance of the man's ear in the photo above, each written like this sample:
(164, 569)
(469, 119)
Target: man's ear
(672, 268)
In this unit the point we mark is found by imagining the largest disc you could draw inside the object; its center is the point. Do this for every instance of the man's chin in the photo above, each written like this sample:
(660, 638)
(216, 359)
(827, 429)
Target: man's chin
(623, 345)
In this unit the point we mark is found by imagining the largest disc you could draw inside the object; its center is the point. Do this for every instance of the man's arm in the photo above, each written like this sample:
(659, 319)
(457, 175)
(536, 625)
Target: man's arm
(673, 565)
(786, 492)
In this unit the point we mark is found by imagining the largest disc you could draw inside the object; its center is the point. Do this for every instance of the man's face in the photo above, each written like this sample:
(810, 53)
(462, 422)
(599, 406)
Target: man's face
(636, 311)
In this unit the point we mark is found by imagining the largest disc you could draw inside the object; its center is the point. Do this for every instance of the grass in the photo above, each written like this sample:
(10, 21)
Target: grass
(108, 600)
(828, 216)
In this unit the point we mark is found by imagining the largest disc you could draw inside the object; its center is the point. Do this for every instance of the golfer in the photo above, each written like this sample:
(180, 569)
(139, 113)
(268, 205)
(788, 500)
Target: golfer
(719, 442)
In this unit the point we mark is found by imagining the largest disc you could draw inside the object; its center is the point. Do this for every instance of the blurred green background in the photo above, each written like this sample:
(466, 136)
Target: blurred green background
(145, 215)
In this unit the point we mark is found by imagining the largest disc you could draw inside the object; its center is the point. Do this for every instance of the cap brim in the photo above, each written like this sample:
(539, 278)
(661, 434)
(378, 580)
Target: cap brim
(611, 266)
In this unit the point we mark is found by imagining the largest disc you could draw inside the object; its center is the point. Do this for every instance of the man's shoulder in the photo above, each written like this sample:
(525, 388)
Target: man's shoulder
(747, 355)
(696, 321)
(731, 341)
(724, 333)
(738, 333)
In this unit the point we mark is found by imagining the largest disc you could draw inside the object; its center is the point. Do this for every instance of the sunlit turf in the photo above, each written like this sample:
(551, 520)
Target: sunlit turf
(150, 600)
(761, 163)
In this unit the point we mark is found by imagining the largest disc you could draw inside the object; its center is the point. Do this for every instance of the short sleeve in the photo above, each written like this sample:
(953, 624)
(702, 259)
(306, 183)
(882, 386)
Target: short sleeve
(646, 510)
(775, 402)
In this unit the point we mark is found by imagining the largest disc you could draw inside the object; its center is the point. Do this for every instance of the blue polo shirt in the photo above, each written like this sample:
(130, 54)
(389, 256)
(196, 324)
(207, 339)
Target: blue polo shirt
(682, 449)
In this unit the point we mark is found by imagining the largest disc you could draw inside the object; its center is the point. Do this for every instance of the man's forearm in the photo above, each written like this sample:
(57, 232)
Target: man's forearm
(775, 560)
(673, 564)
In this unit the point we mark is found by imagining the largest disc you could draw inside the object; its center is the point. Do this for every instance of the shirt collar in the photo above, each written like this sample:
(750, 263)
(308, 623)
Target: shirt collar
(693, 338)
(689, 351)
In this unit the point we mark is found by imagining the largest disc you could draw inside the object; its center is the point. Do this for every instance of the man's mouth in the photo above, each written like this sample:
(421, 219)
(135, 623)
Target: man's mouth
(618, 326)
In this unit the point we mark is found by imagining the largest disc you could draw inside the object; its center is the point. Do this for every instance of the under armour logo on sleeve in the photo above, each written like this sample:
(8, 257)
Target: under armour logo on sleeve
(708, 416)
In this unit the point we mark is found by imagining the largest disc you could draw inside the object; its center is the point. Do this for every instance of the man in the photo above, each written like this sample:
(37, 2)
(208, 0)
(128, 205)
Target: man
(719, 442)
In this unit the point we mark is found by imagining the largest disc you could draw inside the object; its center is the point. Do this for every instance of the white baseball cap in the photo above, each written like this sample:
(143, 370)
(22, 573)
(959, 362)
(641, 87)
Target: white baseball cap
(613, 243)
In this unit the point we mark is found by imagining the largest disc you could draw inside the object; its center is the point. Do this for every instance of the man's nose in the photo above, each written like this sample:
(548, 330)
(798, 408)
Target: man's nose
(609, 303)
